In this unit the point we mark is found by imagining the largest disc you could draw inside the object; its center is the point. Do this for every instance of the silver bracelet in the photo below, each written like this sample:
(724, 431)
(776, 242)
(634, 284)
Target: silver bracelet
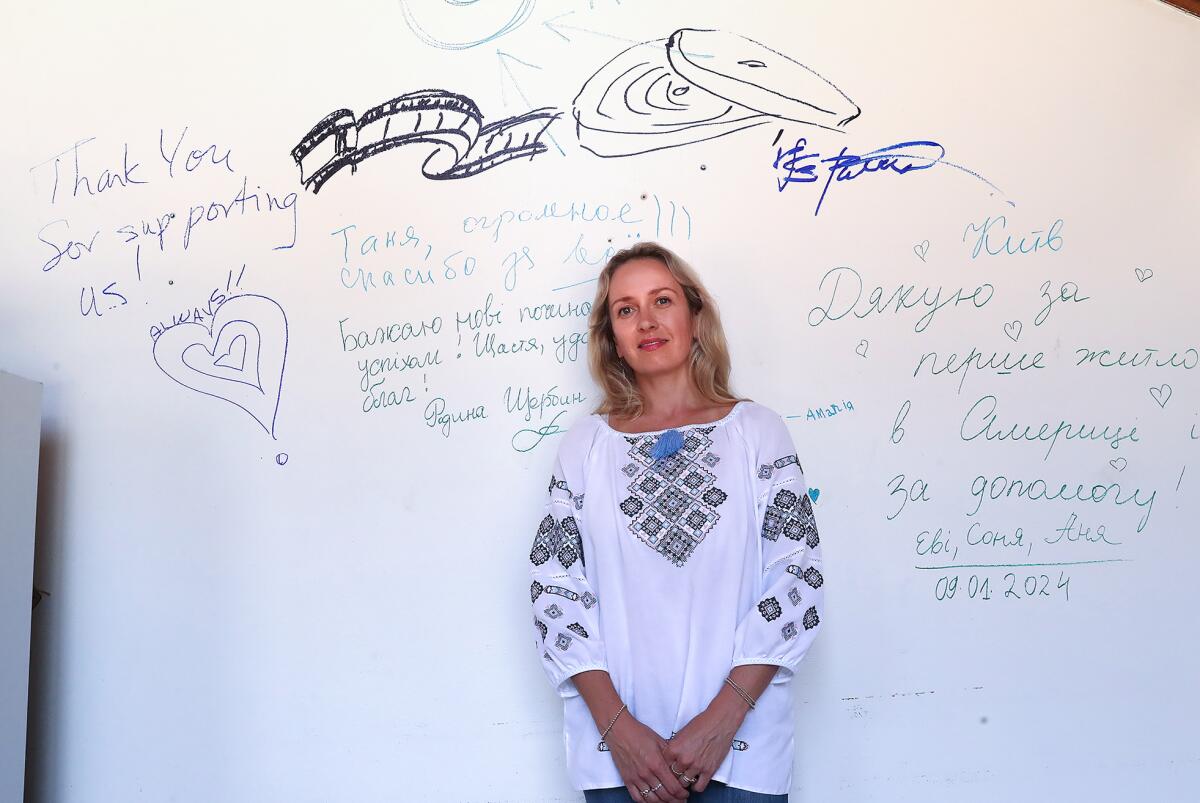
(741, 692)
(612, 722)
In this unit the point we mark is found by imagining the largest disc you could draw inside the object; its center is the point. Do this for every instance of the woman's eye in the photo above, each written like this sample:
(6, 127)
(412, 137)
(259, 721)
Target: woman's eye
(621, 311)
(663, 298)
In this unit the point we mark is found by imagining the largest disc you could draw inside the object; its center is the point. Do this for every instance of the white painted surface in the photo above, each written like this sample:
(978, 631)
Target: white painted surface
(227, 628)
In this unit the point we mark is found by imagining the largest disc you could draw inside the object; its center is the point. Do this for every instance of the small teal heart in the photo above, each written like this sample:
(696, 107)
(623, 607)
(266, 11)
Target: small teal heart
(813, 493)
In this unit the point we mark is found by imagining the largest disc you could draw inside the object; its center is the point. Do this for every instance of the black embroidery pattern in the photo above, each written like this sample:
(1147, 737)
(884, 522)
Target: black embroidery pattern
(813, 577)
(588, 599)
(542, 542)
(672, 502)
(577, 629)
(535, 590)
(770, 609)
(541, 626)
(562, 642)
(789, 631)
(572, 544)
(560, 539)
(794, 596)
(553, 611)
(811, 619)
(766, 470)
(562, 592)
(792, 516)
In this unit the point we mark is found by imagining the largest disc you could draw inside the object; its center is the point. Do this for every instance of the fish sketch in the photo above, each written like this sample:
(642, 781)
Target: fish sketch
(698, 85)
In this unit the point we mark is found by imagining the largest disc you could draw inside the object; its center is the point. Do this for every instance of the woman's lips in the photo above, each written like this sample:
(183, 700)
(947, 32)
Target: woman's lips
(651, 345)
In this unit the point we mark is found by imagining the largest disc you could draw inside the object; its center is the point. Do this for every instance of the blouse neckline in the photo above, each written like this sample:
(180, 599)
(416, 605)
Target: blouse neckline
(682, 427)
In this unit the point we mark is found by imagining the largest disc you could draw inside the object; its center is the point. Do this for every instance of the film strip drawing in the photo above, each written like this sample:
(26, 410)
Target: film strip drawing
(698, 85)
(463, 145)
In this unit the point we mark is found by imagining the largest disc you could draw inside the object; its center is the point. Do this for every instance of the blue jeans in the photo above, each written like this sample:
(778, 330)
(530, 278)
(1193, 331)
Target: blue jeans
(716, 792)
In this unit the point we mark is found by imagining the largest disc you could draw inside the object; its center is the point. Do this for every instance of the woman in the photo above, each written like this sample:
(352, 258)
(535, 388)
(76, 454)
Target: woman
(677, 570)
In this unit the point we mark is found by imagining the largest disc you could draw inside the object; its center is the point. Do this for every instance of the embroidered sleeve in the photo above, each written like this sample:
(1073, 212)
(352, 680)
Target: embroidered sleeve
(566, 616)
(783, 623)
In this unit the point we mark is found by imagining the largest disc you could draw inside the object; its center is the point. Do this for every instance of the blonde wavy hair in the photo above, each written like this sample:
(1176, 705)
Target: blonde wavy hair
(709, 363)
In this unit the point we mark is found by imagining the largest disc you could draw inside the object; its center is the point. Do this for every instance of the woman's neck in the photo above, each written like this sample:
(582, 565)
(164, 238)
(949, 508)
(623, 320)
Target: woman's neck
(670, 402)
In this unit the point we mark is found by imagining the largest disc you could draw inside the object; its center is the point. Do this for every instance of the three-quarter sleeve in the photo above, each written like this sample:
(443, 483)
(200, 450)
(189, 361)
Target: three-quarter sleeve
(790, 606)
(566, 615)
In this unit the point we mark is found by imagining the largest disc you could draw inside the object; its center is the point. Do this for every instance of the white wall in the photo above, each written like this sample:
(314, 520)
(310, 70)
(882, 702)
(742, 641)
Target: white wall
(230, 624)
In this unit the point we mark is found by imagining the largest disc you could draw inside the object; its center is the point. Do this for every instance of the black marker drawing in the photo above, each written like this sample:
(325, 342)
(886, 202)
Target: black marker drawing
(238, 358)
(502, 59)
(475, 25)
(698, 85)
(453, 124)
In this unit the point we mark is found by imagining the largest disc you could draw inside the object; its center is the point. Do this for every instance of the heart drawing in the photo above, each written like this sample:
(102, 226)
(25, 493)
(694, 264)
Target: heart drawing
(1161, 394)
(239, 357)
(921, 249)
(861, 349)
(813, 493)
(1013, 330)
(1142, 274)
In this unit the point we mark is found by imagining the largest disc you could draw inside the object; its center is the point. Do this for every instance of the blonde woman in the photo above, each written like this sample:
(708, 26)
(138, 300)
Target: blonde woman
(677, 569)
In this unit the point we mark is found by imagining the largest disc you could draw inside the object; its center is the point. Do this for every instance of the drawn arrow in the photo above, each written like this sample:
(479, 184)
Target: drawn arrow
(555, 29)
(502, 57)
(505, 69)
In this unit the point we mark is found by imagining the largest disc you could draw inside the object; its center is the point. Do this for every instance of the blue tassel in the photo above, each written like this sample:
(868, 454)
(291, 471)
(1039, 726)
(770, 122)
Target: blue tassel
(667, 444)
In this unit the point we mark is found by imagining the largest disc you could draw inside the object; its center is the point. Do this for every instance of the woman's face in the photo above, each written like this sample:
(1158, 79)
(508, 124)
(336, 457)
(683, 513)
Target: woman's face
(650, 317)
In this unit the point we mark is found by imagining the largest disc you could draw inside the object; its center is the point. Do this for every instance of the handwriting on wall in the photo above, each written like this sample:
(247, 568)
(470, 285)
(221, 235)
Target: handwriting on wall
(238, 356)
(482, 330)
(1053, 501)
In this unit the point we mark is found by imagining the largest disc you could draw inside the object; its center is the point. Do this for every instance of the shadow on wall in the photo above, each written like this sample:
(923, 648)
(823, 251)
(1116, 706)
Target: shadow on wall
(45, 648)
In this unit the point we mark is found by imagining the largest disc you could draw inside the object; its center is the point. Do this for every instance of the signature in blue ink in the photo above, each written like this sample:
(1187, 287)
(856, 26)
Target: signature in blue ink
(800, 167)
(524, 435)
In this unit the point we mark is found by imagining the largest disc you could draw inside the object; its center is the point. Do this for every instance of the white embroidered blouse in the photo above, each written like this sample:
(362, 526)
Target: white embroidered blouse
(668, 573)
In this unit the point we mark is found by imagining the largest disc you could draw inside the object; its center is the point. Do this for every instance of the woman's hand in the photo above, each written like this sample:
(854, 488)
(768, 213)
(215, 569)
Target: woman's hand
(702, 744)
(638, 753)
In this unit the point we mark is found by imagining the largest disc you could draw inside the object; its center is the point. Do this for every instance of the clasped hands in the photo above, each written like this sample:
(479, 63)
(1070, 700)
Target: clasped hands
(646, 761)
